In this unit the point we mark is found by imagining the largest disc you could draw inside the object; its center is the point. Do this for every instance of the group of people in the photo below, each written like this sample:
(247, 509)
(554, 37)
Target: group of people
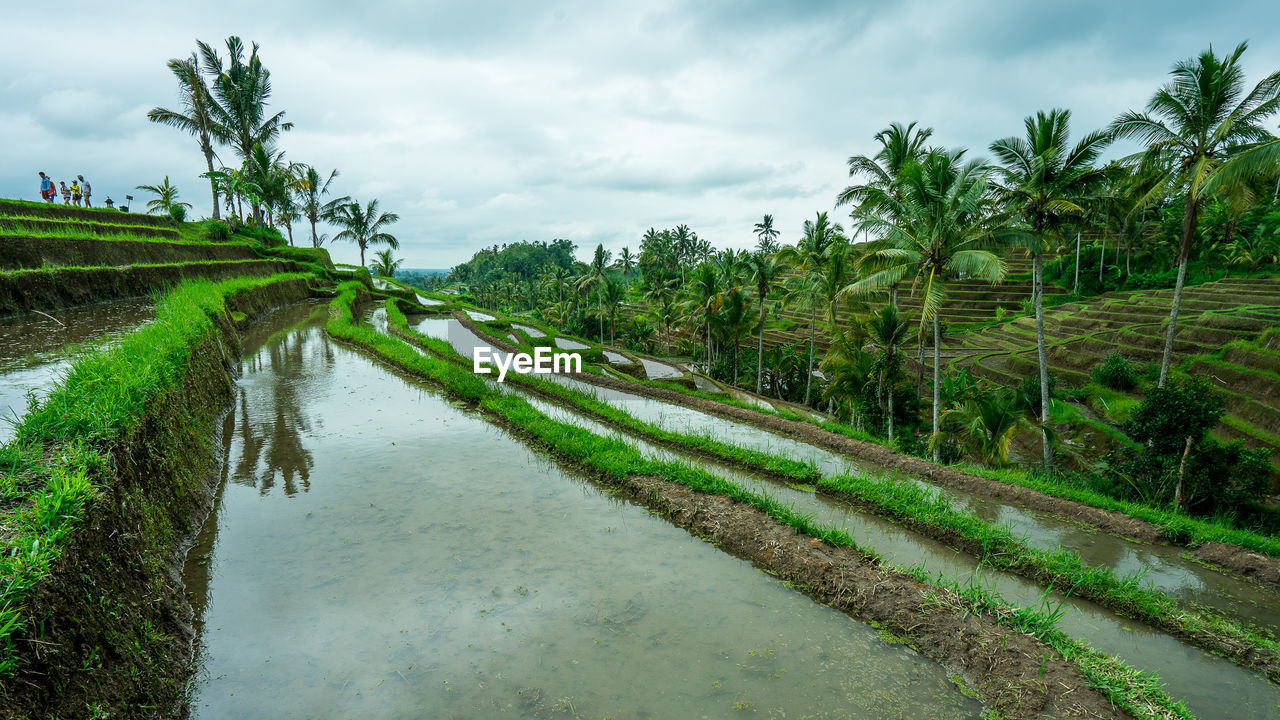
(79, 190)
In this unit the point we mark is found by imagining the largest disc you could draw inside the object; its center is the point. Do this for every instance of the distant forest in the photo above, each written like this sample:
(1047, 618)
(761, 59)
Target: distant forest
(523, 260)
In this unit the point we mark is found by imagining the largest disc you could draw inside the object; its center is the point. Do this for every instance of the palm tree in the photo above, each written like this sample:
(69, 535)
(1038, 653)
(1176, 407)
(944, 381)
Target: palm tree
(685, 244)
(900, 146)
(385, 263)
(848, 369)
(986, 424)
(612, 292)
(242, 89)
(1045, 180)
(1192, 125)
(764, 271)
(595, 277)
(702, 299)
(626, 262)
(166, 197)
(767, 237)
(935, 227)
(887, 331)
(310, 187)
(196, 116)
(363, 226)
(733, 321)
(808, 257)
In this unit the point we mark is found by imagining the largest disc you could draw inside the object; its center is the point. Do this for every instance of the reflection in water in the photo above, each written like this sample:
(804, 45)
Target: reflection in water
(439, 568)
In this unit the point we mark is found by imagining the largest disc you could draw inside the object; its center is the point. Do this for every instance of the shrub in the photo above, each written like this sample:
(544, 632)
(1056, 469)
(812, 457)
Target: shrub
(177, 213)
(1029, 392)
(1115, 372)
(216, 230)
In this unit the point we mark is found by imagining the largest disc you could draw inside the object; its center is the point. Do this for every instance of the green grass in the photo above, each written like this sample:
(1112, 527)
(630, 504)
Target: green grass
(7, 230)
(617, 459)
(62, 451)
(926, 511)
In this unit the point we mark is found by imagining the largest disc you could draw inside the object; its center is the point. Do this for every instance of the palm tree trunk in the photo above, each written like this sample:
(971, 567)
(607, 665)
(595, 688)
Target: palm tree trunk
(1189, 217)
(808, 380)
(891, 414)
(760, 350)
(315, 239)
(289, 226)
(213, 183)
(920, 364)
(1037, 292)
(1077, 263)
(937, 378)
(362, 254)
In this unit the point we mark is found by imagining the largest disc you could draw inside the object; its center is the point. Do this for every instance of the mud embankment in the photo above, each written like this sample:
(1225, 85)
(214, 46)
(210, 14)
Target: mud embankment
(108, 631)
(17, 253)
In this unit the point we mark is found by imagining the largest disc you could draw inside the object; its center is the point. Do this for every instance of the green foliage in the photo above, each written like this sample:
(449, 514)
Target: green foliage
(1115, 372)
(1029, 392)
(216, 230)
(523, 261)
(177, 213)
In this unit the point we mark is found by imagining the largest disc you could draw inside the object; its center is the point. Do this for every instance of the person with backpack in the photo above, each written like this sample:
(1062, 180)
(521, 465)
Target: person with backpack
(75, 193)
(66, 193)
(46, 187)
(84, 190)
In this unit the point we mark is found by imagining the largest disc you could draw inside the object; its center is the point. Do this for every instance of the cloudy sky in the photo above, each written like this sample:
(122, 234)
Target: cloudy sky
(492, 122)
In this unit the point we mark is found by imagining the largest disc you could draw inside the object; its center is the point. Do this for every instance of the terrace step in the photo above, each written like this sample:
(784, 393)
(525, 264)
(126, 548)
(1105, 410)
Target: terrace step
(27, 252)
(103, 215)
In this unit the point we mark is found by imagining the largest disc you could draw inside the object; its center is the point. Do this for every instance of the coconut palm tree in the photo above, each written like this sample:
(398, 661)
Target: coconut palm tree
(733, 321)
(985, 425)
(849, 369)
(764, 272)
(936, 227)
(385, 263)
(242, 89)
(363, 226)
(1045, 181)
(626, 262)
(1193, 125)
(196, 116)
(887, 331)
(702, 300)
(900, 146)
(612, 292)
(310, 186)
(767, 237)
(808, 257)
(685, 244)
(594, 277)
(166, 197)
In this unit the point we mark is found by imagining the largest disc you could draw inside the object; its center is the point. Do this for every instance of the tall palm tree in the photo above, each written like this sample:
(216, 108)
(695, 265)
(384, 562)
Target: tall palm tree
(764, 272)
(1198, 120)
(808, 257)
(364, 226)
(733, 321)
(242, 89)
(1046, 180)
(310, 187)
(196, 116)
(594, 277)
(936, 227)
(985, 424)
(685, 243)
(702, 300)
(887, 331)
(166, 197)
(626, 262)
(612, 292)
(767, 237)
(900, 146)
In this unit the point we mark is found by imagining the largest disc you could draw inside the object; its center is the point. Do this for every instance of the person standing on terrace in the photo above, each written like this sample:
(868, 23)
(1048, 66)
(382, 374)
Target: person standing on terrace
(85, 190)
(46, 187)
(75, 193)
(66, 193)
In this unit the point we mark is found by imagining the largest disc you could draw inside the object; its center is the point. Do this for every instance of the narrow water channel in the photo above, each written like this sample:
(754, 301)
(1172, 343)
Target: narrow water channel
(36, 349)
(378, 552)
(1212, 686)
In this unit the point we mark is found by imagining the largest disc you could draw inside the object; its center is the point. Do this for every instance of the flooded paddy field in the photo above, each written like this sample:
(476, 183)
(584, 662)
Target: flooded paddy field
(378, 552)
(36, 349)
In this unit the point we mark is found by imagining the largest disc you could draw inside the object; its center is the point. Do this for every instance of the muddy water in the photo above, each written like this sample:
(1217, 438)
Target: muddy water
(568, 344)
(1191, 673)
(617, 358)
(1162, 567)
(655, 370)
(532, 331)
(36, 350)
(431, 566)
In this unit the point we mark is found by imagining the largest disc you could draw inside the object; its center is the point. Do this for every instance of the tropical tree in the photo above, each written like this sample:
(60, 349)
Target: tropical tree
(242, 89)
(764, 272)
(166, 197)
(849, 370)
(594, 277)
(887, 331)
(310, 186)
(1192, 127)
(702, 300)
(363, 226)
(385, 263)
(808, 257)
(935, 224)
(767, 237)
(196, 116)
(985, 424)
(733, 321)
(900, 146)
(612, 292)
(685, 244)
(626, 262)
(1045, 181)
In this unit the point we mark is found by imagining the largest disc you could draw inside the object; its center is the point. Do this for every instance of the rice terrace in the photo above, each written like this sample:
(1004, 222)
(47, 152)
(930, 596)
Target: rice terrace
(687, 361)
